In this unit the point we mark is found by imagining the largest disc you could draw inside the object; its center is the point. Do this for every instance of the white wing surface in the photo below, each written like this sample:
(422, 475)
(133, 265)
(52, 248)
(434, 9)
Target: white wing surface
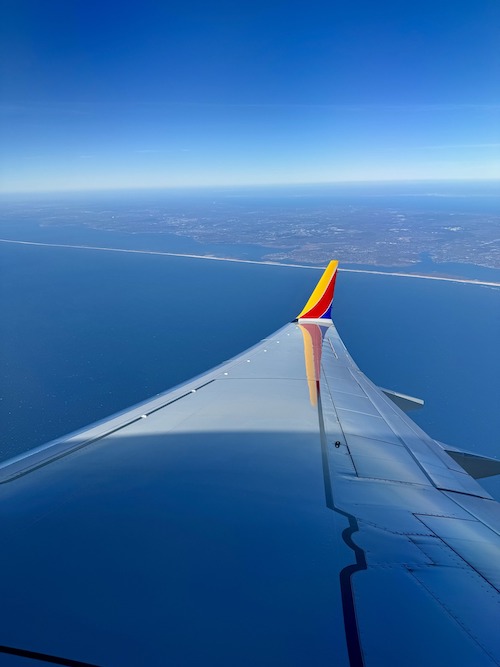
(278, 510)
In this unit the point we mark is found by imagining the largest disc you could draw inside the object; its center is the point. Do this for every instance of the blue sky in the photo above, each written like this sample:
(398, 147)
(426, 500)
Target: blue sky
(137, 94)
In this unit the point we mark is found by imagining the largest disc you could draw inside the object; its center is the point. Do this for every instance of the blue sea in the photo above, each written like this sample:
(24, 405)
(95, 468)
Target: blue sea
(85, 333)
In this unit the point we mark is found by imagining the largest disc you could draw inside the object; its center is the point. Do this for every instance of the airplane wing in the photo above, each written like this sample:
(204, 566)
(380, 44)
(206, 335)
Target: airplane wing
(278, 510)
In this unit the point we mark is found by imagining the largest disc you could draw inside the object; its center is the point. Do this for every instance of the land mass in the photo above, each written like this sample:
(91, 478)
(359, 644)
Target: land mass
(368, 231)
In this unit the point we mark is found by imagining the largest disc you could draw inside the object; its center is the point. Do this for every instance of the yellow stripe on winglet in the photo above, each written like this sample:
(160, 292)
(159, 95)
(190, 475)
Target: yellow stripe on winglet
(320, 288)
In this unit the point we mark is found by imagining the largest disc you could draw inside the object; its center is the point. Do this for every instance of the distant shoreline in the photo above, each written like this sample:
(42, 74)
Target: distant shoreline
(467, 281)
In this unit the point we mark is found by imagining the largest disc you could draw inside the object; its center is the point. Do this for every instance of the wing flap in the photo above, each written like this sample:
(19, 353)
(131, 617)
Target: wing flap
(403, 401)
(476, 465)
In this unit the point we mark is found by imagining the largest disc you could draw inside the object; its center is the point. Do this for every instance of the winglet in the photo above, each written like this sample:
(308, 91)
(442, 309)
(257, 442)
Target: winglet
(319, 306)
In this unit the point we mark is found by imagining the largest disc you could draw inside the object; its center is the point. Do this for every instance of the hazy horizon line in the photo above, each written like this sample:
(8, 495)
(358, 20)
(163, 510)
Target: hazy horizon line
(233, 186)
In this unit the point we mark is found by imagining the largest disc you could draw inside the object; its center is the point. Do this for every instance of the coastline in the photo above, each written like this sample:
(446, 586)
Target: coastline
(467, 281)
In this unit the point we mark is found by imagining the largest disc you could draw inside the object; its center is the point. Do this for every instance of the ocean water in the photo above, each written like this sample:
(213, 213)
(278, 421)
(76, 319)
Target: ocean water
(86, 333)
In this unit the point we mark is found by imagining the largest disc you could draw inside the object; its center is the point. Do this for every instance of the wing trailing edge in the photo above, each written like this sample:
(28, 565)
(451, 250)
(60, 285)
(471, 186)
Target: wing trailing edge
(319, 305)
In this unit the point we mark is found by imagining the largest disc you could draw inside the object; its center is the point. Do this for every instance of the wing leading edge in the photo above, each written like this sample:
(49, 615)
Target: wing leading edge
(280, 509)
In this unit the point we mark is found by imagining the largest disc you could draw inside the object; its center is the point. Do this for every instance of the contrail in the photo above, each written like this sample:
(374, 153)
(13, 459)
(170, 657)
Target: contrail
(466, 281)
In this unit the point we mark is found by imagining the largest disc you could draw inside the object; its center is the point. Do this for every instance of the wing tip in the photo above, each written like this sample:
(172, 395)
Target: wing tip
(319, 305)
